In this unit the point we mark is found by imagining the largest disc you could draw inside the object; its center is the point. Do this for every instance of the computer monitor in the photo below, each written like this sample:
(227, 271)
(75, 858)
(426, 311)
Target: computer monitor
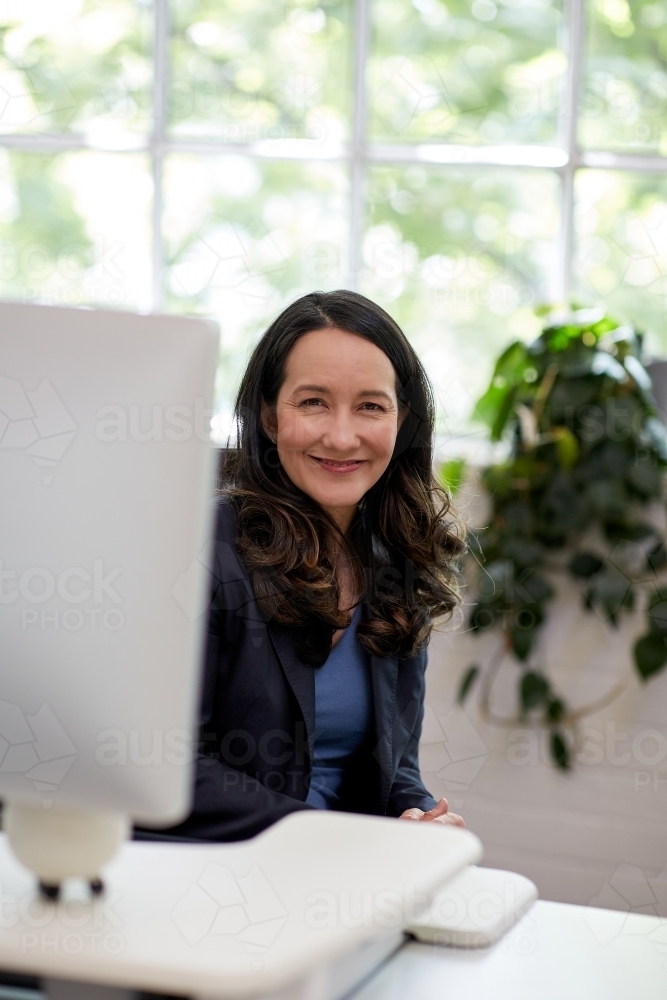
(106, 474)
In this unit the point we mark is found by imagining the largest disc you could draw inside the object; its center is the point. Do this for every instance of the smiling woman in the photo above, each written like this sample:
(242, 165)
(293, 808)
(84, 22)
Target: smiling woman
(345, 428)
(333, 558)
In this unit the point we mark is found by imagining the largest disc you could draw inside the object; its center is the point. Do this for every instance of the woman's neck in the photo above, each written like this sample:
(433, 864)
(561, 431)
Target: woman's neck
(343, 516)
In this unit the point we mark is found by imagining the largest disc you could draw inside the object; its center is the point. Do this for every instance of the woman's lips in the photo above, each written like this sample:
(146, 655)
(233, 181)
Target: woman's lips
(338, 468)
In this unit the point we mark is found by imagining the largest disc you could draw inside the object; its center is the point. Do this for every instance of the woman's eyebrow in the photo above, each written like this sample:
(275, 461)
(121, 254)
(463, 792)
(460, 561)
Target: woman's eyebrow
(377, 392)
(311, 388)
(364, 392)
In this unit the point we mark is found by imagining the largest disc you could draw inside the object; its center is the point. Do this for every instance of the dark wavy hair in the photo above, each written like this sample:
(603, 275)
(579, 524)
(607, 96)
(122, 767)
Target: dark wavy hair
(402, 540)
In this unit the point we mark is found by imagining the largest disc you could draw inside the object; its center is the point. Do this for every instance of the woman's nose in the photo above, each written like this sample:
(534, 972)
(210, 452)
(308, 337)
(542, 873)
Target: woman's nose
(340, 433)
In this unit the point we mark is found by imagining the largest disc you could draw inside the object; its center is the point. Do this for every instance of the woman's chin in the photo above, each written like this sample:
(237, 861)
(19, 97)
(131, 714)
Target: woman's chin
(333, 497)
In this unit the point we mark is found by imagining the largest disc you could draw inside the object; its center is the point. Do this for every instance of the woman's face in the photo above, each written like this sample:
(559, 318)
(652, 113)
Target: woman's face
(336, 418)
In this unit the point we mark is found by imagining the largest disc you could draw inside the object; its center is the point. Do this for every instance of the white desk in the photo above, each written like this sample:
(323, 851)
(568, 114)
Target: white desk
(160, 930)
(306, 908)
(556, 952)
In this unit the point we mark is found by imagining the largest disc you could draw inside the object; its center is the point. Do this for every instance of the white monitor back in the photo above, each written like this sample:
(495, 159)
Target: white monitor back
(106, 472)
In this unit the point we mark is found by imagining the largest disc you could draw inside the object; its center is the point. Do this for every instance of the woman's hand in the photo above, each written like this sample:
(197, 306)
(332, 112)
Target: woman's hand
(438, 814)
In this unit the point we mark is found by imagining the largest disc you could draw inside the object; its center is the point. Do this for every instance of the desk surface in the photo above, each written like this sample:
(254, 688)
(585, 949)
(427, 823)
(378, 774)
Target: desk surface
(555, 952)
(234, 920)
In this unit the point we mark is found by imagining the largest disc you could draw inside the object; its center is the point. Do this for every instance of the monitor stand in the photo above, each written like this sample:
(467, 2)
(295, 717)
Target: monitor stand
(60, 843)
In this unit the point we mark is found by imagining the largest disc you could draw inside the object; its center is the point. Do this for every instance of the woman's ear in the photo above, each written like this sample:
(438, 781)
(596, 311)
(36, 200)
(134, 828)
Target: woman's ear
(269, 420)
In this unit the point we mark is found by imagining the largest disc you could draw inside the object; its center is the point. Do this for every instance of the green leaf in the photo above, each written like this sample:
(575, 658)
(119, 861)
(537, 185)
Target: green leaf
(533, 689)
(558, 748)
(452, 473)
(555, 710)
(532, 589)
(488, 405)
(567, 447)
(650, 655)
(503, 415)
(511, 363)
(522, 642)
(495, 406)
(611, 592)
(467, 681)
(523, 552)
(584, 564)
(616, 532)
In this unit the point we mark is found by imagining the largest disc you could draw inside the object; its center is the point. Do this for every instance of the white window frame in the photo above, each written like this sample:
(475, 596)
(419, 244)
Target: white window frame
(565, 158)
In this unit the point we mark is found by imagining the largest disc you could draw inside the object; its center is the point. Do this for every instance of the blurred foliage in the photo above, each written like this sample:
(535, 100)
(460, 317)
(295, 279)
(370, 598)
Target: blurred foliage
(588, 454)
(481, 72)
(249, 70)
(624, 100)
(452, 473)
(76, 65)
(74, 227)
(621, 249)
(244, 236)
(42, 228)
(459, 254)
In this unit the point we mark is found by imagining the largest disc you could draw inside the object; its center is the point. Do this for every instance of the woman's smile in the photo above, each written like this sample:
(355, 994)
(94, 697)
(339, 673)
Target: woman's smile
(338, 467)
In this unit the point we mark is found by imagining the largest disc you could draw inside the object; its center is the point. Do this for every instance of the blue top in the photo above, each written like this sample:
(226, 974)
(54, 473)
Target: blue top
(343, 714)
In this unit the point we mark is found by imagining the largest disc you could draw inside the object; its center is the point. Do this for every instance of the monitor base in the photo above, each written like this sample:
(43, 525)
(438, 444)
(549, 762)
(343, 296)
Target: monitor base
(60, 843)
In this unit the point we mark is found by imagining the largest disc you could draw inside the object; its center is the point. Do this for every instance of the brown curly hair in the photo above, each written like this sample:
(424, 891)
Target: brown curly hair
(403, 541)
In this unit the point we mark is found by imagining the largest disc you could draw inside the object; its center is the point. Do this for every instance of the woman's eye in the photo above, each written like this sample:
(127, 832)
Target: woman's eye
(311, 402)
(373, 406)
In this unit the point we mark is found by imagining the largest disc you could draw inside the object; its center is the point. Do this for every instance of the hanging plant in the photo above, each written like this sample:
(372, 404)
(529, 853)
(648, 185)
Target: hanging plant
(587, 455)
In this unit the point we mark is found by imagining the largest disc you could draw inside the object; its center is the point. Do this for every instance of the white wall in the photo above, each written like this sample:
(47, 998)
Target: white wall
(596, 835)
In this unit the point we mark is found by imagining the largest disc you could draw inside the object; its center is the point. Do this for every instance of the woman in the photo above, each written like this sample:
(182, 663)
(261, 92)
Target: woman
(332, 559)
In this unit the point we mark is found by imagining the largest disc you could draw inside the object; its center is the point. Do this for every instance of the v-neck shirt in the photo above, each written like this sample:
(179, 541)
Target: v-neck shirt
(343, 715)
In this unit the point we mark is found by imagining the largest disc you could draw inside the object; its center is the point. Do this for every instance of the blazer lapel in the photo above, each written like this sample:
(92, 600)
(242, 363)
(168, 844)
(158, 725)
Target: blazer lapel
(384, 678)
(300, 676)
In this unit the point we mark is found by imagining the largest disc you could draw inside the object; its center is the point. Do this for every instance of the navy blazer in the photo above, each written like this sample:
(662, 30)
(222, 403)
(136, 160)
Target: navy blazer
(258, 718)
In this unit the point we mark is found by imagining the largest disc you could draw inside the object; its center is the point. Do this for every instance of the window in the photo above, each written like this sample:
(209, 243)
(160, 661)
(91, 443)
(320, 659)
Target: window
(460, 161)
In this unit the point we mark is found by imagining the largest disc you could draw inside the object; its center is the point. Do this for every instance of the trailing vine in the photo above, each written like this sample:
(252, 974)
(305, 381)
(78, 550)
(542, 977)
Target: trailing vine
(588, 450)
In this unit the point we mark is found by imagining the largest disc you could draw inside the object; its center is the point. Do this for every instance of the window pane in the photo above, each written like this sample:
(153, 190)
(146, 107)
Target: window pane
(244, 237)
(625, 84)
(70, 65)
(74, 228)
(486, 72)
(460, 258)
(250, 70)
(621, 222)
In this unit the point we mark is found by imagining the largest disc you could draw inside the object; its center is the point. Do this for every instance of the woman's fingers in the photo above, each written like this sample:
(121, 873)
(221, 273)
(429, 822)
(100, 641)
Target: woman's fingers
(412, 814)
(451, 819)
(438, 810)
(438, 814)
